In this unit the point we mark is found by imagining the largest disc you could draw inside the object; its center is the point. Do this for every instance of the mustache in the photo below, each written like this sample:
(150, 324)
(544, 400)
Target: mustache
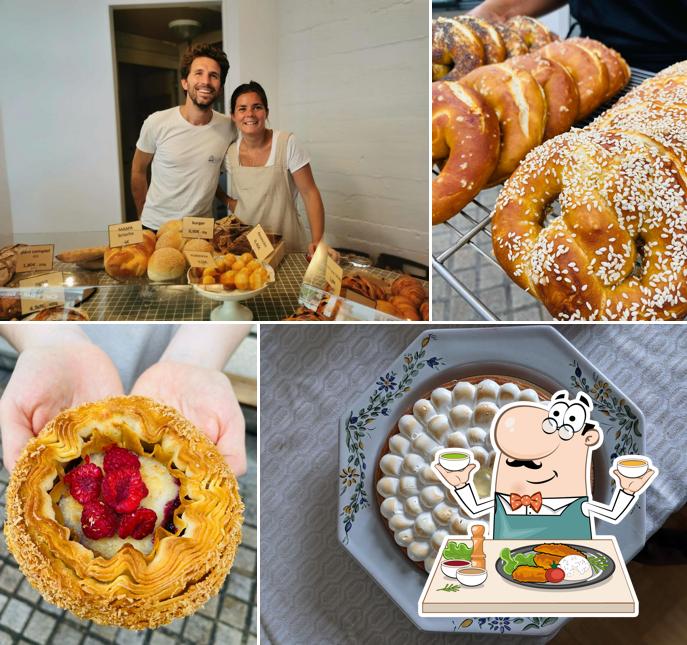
(526, 463)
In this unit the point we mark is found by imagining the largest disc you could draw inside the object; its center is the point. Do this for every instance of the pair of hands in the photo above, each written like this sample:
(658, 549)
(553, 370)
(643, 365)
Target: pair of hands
(49, 379)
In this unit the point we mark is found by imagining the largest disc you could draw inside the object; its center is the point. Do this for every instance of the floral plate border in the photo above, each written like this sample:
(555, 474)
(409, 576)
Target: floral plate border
(430, 360)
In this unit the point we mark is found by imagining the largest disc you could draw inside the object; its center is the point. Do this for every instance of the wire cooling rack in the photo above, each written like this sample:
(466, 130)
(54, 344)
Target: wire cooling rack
(462, 256)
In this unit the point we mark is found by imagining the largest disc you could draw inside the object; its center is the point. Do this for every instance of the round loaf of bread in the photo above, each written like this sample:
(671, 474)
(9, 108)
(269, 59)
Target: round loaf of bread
(172, 225)
(166, 264)
(171, 239)
(198, 245)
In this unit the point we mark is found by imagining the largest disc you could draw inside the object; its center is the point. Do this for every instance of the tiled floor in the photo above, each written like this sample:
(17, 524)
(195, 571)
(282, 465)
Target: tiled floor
(227, 619)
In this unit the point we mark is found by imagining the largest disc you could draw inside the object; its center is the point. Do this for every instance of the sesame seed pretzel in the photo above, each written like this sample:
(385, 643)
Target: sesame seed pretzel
(619, 249)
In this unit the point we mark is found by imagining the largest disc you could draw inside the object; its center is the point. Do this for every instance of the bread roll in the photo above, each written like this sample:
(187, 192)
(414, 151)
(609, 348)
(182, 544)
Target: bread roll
(199, 245)
(166, 264)
(130, 261)
(171, 239)
(172, 225)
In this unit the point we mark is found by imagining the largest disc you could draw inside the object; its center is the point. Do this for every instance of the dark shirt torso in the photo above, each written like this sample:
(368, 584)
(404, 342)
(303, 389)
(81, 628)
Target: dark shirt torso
(650, 34)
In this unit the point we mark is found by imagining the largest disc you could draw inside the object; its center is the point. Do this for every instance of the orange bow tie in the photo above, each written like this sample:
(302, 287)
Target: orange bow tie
(533, 501)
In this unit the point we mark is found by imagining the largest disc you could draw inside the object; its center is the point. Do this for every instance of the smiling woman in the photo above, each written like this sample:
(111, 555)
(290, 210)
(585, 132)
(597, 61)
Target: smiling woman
(267, 170)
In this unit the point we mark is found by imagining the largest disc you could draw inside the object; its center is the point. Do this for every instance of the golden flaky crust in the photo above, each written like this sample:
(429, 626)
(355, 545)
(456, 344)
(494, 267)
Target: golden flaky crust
(130, 589)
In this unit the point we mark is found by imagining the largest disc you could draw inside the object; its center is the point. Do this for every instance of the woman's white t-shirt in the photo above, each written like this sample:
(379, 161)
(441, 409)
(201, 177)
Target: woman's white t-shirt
(296, 158)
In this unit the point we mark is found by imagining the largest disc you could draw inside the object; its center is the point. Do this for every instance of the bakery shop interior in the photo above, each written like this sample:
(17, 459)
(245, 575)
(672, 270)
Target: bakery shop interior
(559, 144)
(225, 160)
(129, 482)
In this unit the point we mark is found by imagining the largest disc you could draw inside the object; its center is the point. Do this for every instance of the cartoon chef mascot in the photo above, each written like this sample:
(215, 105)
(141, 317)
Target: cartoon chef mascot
(541, 486)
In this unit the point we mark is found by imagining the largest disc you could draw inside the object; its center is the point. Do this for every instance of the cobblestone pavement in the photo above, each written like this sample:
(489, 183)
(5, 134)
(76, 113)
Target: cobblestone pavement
(489, 283)
(230, 618)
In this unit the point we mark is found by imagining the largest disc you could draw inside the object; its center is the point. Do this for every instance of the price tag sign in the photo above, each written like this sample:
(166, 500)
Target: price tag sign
(333, 274)
(201, 259)
(36, 257)
(202, 228)
(41, 292)
(259, 242)
(123, 234)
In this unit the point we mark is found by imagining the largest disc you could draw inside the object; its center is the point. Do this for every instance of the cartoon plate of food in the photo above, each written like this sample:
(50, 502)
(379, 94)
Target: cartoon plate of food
(554, 565)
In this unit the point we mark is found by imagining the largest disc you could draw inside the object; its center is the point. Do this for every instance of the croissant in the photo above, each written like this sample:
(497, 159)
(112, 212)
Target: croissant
(531, 98)
(619, 249)
(464, 43)
(124, 513)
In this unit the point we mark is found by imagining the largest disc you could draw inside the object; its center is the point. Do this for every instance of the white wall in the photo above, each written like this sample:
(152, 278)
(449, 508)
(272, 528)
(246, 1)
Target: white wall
(59, 114)
(353, 79)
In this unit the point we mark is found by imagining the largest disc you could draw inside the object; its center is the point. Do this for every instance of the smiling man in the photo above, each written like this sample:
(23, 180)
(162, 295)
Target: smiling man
(542, 486)
(186, 145)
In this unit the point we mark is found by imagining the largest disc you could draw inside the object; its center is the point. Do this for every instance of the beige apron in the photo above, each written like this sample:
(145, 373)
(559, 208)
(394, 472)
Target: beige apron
(263, 195)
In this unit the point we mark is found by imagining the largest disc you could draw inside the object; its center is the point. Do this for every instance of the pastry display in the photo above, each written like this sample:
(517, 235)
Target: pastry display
(124, 513)
(418, 510)
(619, 249)
(484, 124)
(232, 273)
(464, 43)
(402, 299)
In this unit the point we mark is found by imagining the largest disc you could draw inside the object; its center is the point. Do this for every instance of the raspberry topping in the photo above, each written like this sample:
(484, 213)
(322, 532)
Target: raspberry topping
(168, 518)
(117, 458)
(137, 524)
(123, 490)
(84, 482)
(98, 521)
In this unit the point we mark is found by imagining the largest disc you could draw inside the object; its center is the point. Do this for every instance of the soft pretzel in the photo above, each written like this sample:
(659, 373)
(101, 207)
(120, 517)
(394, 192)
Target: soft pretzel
(618, 70)
(619, 249)
(492, 42)
(131, 580)
(515, 45)
(560, 90)
(456, 45)
(520, 106)
(586, 67)
(531, 31)
(465, 133)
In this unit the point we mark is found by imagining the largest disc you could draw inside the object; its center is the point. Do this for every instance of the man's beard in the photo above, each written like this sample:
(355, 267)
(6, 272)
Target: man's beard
(202, 106)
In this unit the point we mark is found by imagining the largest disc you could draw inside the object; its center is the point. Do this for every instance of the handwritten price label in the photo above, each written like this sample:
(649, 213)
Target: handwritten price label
(202, 228)
(124, 234)
(201, 259)
(333, 274)
(41, 292)
(37, 257)
(259, 242)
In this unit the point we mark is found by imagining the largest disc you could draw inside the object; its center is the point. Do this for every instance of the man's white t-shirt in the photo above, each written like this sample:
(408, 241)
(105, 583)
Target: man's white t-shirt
(296, 158)
(186, 164)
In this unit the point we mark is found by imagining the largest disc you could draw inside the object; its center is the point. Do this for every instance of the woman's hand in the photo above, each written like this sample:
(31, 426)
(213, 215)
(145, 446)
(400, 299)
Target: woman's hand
(47, 379)
(205, 397)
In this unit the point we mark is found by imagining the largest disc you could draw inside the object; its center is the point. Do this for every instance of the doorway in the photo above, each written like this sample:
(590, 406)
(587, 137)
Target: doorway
(149, 43)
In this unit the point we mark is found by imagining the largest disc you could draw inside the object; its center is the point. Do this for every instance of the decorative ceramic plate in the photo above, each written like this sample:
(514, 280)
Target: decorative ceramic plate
(537, 354)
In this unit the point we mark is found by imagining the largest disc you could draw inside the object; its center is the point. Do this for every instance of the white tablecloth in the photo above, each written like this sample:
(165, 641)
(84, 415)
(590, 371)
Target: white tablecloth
(311, 372)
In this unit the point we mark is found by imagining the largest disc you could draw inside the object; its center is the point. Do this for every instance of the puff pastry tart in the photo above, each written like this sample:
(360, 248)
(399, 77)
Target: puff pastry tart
(124, 513)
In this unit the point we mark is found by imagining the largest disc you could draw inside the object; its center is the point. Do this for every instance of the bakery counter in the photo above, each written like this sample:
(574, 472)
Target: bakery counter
(155, 301)
(103, 298)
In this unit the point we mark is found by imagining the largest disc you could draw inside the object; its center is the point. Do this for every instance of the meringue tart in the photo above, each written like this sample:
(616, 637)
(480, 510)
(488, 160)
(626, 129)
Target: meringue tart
(124, 513)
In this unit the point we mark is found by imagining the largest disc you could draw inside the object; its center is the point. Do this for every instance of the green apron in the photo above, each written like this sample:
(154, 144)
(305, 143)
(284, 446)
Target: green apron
(571, 524)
